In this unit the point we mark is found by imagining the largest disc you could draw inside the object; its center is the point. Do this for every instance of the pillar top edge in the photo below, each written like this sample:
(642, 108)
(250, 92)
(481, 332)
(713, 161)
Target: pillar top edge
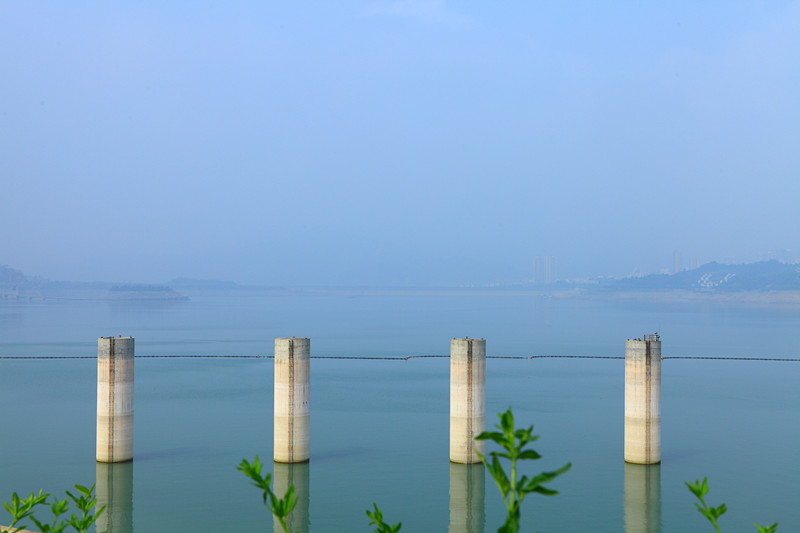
(292, 338)
(117, 337)
(647, 338)
(467, 339)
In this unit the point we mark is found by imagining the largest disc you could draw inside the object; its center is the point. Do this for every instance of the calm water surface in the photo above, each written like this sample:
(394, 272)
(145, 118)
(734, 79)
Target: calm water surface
(379, 429)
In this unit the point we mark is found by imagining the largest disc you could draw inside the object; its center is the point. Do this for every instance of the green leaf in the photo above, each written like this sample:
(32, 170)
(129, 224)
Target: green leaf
(499, 438)
(99, 512)
(529, 454)
(694, 488)
(544, 491)
(524, 436)
(289, 499)
(511, 524)
(274, 502)
(716, 512)
(546, 477)
(377, 520)
(499, 476)
(507, 422)
(513, 441)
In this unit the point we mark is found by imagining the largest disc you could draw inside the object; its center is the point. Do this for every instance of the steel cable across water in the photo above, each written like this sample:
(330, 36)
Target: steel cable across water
(409, 357)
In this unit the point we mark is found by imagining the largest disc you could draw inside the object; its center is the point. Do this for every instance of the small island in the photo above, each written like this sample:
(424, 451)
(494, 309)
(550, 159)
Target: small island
(135, 291)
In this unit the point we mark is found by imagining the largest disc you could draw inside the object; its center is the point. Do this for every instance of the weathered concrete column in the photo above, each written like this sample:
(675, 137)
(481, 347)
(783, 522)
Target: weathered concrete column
(291, 400)
(643, 400)
(114, 399)
(467, 398)
(297, 475)
(115, 492)
(467, 497)
(642, 498)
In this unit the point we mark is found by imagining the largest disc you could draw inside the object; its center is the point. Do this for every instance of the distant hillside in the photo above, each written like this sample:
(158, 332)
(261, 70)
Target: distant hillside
(16, 287)
(717, 277)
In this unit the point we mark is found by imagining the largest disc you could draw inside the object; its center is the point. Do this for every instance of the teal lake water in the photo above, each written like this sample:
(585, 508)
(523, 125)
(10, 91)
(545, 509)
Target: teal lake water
(379, 429)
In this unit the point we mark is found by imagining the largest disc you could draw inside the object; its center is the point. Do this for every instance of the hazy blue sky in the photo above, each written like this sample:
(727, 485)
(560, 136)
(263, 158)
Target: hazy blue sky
(394, 141)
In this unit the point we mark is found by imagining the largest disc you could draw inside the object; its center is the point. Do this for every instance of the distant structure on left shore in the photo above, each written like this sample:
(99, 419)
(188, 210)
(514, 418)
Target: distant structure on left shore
(10, 280)
(15, 287)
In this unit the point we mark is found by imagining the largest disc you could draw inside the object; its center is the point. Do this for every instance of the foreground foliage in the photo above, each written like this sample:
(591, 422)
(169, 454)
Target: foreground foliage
(279, 507)
(23, 509)
(700, 489)
(377, 521)
(513, 441)
(514, 490)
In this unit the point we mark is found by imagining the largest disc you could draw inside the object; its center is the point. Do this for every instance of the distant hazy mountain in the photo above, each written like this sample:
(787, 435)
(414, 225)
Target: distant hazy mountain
(716, 277)
(711, 277)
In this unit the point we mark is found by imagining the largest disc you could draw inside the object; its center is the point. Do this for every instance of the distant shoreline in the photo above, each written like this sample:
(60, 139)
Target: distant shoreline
(685, 296)
(780, 298)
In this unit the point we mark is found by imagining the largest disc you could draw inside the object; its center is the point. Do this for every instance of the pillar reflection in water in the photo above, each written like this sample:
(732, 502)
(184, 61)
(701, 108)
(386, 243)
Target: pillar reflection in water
(467, 482)
(284, 476)
(115, 491)
(642, 498)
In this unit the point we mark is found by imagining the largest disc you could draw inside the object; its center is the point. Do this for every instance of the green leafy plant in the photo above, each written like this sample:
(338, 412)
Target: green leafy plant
(279, 507)
(514, 489)
(700, 489)
(376, 517)
(22, 509)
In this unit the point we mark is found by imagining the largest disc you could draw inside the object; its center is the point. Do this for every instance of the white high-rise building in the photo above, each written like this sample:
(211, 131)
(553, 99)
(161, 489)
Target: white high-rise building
(544, 269)
(677, 264)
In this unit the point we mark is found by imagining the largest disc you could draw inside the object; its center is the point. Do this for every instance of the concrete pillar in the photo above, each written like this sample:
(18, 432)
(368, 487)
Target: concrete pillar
(643, 400)
(467, 495)
(297, 475)
(114, 399)
(467, 398)
(291, 400)
(115, 492)
(642, 498)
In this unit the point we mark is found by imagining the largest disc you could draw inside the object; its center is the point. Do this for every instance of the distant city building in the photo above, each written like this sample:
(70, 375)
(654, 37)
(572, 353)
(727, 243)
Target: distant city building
(783, 255)
(544, 269)
(677, 264)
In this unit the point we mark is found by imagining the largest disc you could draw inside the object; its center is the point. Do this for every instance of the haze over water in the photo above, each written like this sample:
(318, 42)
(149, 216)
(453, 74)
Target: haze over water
(395, 142)
(399, 143)
(379, 428)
